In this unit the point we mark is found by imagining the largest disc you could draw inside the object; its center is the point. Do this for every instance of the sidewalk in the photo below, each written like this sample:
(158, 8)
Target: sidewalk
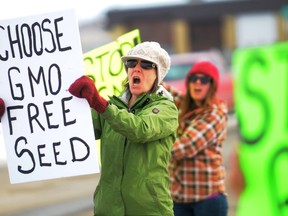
(47, 196)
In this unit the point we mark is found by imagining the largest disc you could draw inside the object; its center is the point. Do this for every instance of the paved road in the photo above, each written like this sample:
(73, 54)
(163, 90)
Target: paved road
(67, 196)
(73, 195)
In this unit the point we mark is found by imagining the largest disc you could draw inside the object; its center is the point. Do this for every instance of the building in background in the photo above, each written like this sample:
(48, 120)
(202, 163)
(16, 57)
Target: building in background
(200, 25)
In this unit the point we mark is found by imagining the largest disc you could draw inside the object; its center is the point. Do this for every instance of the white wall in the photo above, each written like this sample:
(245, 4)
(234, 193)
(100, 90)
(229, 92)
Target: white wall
(256, 29)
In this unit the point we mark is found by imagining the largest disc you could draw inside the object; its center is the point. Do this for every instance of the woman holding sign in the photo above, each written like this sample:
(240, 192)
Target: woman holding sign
(196, 165)
(137, 130)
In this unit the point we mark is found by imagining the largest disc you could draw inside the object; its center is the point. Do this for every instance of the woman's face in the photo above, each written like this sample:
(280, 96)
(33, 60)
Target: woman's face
(199, 85)
(142, 75)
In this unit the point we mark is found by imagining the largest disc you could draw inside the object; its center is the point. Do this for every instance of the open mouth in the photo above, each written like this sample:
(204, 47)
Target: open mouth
(136, 80)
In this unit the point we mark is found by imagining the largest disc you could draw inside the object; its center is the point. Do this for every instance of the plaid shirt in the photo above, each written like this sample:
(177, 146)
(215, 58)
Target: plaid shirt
(196, 166)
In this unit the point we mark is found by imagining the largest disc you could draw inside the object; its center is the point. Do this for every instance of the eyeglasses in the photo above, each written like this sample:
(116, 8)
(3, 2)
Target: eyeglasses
(144, 64)
(203, 79)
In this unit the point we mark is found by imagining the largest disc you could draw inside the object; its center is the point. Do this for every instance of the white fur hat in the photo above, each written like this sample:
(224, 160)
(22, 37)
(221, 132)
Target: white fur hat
(151, 51)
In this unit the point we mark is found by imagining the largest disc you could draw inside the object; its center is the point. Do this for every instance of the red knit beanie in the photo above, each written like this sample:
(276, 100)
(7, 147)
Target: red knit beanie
(206, 68)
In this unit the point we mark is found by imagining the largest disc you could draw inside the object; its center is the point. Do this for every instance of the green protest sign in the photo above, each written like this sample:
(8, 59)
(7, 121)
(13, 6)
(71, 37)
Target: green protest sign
(261, 99)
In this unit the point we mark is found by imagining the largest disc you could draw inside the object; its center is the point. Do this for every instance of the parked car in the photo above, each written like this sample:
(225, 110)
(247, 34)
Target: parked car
(181, 64)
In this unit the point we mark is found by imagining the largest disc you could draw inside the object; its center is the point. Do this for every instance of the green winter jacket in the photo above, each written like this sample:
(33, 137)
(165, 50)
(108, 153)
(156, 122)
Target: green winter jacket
(135, 150)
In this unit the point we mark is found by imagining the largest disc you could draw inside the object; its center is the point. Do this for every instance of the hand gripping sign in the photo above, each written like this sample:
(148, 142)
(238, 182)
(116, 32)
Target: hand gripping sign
(261, 96)
(48, 133)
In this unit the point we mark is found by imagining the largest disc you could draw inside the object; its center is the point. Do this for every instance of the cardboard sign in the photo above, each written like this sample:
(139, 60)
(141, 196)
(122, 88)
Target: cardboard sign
(48, 133)
(261, 96)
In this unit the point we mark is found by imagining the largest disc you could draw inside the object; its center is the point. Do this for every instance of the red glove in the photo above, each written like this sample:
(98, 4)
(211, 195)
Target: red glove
(2, 107)
(84, 87)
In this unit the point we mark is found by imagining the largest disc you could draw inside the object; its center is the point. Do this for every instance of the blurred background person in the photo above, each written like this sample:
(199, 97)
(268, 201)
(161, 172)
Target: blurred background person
(196, 166)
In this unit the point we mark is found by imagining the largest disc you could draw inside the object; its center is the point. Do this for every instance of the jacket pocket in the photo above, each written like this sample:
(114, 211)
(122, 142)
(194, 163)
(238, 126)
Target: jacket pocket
(161, 197)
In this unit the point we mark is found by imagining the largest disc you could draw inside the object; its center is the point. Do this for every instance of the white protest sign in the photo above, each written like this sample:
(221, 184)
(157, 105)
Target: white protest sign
(48, 133)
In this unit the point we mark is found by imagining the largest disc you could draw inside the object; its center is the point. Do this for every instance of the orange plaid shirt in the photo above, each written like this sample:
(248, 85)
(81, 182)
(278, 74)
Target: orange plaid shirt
(196, 166)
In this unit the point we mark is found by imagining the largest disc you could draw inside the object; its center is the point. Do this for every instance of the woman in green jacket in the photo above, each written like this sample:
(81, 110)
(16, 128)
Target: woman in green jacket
(137, 130)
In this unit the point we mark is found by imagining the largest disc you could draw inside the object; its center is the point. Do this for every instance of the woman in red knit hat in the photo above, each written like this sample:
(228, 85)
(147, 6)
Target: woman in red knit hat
(196, 165)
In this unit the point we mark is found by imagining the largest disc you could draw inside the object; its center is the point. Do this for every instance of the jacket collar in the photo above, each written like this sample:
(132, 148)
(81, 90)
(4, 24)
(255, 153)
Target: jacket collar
(143, 100)
(126, 95)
